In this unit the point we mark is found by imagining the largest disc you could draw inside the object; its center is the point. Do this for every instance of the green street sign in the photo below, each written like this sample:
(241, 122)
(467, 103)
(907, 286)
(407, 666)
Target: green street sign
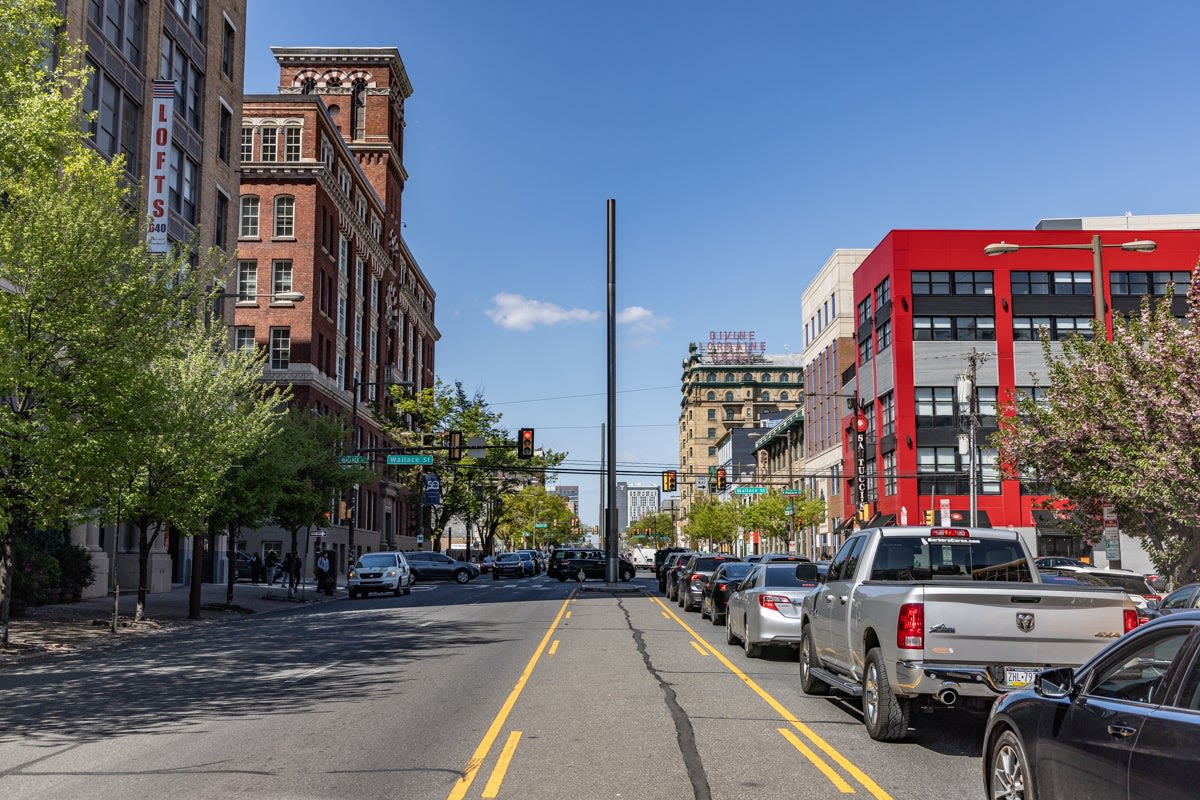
(408, 459)
(750, 490)
(353, 459)
(791, 491)
(541, 524)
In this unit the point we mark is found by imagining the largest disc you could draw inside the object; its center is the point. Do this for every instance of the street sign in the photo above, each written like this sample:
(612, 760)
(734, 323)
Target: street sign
(477, 447)
(791, 491)
(353, 459)
(407, 459)
(750, 490)
(541, 524)
(944, 512)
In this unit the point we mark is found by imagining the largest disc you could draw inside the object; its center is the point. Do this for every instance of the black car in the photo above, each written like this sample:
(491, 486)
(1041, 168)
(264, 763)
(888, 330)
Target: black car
(1182, 599)
(591, 562)
(675, 564)
(1127, 720)
(513, 565)
(429, 564)
(690, 582)
(718, 588)
(660, 556)
(669, 562)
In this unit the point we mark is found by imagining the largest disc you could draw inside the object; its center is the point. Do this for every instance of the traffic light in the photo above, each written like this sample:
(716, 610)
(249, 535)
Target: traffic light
(455, 446)
(668, 480)
(525, 443)
(929, 517)
(720, 479)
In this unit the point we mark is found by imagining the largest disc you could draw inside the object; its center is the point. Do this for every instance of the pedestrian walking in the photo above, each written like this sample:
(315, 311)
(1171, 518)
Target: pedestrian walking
(256, 569)
(324, 578)
(293, 573)
(272, 567)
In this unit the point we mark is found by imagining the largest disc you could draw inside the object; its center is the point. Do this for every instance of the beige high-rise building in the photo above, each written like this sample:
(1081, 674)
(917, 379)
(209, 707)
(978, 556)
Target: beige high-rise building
(728, 382)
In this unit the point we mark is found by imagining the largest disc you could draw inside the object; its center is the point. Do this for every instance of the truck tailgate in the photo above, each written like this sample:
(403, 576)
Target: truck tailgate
(1019, 624)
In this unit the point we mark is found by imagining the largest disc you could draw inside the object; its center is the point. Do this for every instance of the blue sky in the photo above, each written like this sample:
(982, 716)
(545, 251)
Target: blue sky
(743, 143)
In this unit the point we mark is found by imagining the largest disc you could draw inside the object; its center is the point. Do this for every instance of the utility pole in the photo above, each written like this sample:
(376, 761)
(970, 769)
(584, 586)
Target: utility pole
(969, 426)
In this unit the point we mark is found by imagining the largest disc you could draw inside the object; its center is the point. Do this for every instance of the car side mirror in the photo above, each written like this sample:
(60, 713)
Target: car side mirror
(807, 572)
(1055, 683)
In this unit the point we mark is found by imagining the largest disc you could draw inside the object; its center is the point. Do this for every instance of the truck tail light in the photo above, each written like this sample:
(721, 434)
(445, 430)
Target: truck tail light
(910, 627)
(773, 601)
(1131, 619)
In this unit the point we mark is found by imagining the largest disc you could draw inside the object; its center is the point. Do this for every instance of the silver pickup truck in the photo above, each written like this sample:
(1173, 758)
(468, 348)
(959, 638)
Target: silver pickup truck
(945, 615)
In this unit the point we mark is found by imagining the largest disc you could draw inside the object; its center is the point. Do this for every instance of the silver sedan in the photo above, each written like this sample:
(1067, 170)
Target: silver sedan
(765, 609)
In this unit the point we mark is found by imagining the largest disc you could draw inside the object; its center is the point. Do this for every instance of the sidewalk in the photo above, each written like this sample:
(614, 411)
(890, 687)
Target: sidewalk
(72, 627)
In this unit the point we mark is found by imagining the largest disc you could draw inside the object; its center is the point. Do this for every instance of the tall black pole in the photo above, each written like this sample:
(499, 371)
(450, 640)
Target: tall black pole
(353, 505)
(610, 516)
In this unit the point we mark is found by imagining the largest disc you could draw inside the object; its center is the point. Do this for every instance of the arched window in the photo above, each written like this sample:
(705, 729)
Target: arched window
(783, 396)
(766, 377)
(729, 397)
(249, 217)
(784, 377)
(766, 397)
(711, 396)
(285, 216)
(729, 377)
(747, 378)
(308, 86)
(711, 377)
(358, 111)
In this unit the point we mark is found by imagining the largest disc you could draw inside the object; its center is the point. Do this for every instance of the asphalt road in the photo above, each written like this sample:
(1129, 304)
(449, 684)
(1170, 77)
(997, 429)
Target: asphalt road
(510, 689)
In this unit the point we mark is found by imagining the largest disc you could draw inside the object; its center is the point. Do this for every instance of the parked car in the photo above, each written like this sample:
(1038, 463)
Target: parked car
(672, 560)
(1184, 598)
(245, 570)
(765, 608)
(673, 569)
(385, 571)
(660, 556)
(1125, 724)
(718, 588)
(516, 564)
(1135, 584)
(485, 564)
(691, 579)
(430, 565)
(536, 560)
(765, 557)
(1050, 562)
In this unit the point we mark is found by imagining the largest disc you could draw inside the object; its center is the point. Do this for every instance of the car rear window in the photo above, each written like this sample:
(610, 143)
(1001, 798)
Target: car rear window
(784, 575)
(1133, 584)
(710, 563)
(908, 558)
(739, 569)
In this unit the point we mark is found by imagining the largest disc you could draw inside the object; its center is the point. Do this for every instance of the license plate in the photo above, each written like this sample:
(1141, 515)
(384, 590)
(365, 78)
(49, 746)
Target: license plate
(1017, 678)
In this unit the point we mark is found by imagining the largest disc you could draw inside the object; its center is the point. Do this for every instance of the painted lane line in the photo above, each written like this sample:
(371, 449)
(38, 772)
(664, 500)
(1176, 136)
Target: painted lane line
(875, 789)
(554, 647)
(699, 649)
(817, 761)
(463, 784)
(501, 768)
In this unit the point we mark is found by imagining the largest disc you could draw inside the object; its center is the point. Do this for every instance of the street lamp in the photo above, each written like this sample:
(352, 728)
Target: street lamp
(1137, 245)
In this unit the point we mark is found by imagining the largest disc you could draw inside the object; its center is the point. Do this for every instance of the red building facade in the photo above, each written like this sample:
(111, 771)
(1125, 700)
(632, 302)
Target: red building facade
(320, 214)
(928, 303)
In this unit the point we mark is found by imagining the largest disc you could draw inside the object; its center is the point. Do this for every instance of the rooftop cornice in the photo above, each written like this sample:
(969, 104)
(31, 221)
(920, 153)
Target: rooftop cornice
(347, 56)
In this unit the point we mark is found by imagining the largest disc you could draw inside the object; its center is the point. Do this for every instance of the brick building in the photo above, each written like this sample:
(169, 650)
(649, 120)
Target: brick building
(320, 213)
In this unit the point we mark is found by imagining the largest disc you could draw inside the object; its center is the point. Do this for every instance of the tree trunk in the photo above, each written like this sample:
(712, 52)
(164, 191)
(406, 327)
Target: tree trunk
(5, 585)
(145, 542)
(194, 598)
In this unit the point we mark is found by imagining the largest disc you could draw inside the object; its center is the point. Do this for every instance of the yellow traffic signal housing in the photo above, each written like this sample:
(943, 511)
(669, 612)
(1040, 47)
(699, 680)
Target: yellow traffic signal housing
(455, 446)
(929, 517)
(669, 480)
(720, 479)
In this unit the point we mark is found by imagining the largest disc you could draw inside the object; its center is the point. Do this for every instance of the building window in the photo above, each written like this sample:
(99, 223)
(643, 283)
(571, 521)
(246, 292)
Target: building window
(945, 282)
(1060, 283)
(864, 349)
(182, 183)
(934, 406)
(281, 348)
(243, 339)
(712, 433)
(285, 216)
(227, 49)
(115, 128)
(766, 397)
(268, 148)
(989, 470)
(712, 452)
(175, 65)
(281, 277)
(936, 470)
(192, 14)
(864, 311)
(247, 153)
(247, 286)
(123, 24)
(711, 396)
(248, 227)
(729, 397)
(710, 377)
(1028, 329)
(883, 336)
(291, 143)
(883, 294)
(358, 111)
(712, 412)
(225, 135)
(784, 377)
(889, 473)
(221, 221)
(783, 396)
(945, 329)
(887, 410)
(1141, 283)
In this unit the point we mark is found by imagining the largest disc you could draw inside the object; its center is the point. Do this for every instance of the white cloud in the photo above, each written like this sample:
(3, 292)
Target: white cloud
(640, 319)
(519, 313)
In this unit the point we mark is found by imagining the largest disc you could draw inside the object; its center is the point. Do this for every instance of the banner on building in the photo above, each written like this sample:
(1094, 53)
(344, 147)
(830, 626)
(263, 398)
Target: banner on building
(862, 486)
(162, 116)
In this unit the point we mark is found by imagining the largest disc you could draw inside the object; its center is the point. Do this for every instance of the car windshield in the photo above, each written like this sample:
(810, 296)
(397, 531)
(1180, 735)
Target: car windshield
(511, 557)
(737, 570)
(376, 560)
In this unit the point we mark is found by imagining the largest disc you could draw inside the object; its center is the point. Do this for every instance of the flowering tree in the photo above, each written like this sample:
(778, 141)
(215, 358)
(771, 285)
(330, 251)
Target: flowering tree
(1120, 424)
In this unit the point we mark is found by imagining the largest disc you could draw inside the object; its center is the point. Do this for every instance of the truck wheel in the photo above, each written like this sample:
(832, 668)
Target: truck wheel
(809, 683)
(885, 715)
(1009, 774)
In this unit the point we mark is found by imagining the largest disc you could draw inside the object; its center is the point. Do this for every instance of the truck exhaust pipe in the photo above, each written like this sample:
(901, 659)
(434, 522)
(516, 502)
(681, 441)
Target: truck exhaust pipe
(947, 697)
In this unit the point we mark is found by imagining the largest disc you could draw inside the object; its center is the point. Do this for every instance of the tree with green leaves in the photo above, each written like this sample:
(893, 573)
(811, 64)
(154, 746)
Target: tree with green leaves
(768, 514)
(1118, 425)
(712, 523)
(652, 530)
(535, 517)
(476, 487)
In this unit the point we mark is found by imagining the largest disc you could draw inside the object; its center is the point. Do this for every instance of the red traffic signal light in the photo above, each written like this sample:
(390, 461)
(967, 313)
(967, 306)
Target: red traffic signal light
(720, 479)
(669, 480)
(525, 443)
